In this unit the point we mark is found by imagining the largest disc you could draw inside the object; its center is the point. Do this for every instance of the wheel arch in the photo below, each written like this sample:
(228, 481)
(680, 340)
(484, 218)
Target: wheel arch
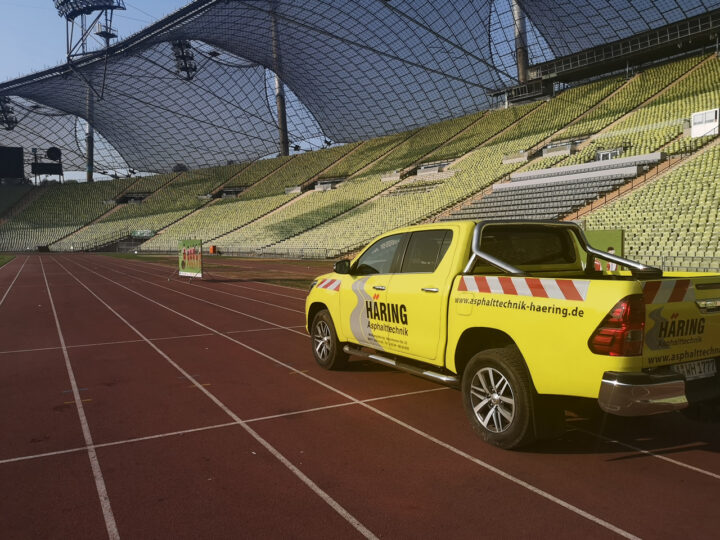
(475, 340)
(314, 309)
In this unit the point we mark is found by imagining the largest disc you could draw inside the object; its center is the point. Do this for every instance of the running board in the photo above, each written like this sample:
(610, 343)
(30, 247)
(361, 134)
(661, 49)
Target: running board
(450, 380)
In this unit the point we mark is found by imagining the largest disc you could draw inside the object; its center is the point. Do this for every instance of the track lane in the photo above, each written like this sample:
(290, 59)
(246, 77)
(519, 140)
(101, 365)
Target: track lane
(514, 482)
(668, 478)
(308, 483)
(53, 497)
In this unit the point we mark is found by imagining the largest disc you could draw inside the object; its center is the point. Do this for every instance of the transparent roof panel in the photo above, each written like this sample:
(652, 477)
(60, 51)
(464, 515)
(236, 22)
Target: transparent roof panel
(352, 71)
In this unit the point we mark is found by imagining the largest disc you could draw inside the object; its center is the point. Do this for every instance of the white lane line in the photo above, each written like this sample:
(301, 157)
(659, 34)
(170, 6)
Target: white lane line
(116, 443)
(651, 454)
(13, 281)
(208, 428)
(295, 289)
(522, 483)
(332, 503)
(347, 404)
(167, 338)
(110, 524)
(200, 299)
(220, 291)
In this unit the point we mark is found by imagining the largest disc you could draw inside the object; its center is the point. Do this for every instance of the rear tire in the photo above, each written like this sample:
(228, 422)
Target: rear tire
(501, 402)
(327, 350)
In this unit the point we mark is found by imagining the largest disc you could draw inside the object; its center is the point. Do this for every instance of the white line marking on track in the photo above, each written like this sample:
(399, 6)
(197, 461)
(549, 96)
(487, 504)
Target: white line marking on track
(167, 338)
(219, 291)
(254, 434)
(200, 299)
(208, 428)
(537, 491)
(110, 524)
(13, 281)
(651, 454)
(295, 289)
(346, 404)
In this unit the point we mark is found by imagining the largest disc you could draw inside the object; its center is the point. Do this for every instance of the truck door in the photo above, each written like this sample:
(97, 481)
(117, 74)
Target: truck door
(366, 288)
(415, 317)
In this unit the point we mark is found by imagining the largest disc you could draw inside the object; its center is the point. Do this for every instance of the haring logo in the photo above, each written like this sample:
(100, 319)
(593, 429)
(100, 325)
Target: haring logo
(665, 333)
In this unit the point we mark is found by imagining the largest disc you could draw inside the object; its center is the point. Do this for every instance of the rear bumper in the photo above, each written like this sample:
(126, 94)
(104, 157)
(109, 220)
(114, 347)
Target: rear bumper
(642, 394)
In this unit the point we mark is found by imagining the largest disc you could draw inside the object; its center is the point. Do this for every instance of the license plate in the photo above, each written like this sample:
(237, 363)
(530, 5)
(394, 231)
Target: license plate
(699, 369)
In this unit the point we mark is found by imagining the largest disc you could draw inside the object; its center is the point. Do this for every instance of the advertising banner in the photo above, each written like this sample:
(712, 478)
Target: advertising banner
(190, 258)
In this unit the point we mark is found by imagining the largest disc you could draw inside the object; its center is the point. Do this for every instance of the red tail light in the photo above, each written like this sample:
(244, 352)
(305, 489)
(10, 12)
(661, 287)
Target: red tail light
(621, 332)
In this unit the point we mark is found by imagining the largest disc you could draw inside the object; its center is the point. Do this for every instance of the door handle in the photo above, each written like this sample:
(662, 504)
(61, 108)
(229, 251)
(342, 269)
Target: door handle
(430, 289)
(379, 287)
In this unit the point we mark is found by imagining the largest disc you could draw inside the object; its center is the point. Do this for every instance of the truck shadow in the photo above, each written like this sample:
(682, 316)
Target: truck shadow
(590, 430)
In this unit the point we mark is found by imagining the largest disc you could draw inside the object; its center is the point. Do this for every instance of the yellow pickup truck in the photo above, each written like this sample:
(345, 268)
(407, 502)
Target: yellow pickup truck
(516, 315)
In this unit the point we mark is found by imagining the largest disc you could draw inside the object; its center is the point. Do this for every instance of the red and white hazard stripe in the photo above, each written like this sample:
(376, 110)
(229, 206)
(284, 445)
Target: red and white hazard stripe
(558, 289)
(329, 284)
(667, 291)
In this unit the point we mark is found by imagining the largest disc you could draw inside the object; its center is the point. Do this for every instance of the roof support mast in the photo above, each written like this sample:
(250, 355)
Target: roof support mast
(77, 48)
(521, 49)
(284, 143)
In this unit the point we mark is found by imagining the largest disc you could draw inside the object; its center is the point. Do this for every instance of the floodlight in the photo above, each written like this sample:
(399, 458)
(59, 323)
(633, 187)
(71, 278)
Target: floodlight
(70, 9)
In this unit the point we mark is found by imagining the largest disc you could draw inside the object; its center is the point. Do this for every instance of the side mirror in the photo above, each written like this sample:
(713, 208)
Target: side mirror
(342, 267)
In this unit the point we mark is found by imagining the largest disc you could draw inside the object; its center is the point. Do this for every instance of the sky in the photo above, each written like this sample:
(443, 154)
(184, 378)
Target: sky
(33, 34)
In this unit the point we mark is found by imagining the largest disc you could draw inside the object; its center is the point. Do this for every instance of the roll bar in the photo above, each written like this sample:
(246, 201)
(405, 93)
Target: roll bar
(637, 269)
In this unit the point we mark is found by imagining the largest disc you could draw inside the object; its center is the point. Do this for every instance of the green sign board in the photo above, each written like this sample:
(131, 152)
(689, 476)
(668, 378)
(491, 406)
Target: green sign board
(190, 258)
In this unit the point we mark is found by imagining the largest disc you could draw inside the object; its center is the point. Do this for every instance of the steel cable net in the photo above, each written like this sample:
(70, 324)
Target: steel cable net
(352, 70)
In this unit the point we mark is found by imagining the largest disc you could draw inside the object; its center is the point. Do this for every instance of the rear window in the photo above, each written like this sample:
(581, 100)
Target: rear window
(425, 250)
(524, 246)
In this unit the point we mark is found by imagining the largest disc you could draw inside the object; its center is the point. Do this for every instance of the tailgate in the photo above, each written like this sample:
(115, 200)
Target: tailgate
(682, 324)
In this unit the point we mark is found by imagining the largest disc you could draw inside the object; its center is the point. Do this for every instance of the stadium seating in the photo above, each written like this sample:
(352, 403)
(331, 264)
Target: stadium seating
(167, 205)
(640, 88)
(9, 195)
(256, 171)
(477, 133)
(214, 220)
(421, 143)
(296, 171)
(673, 220)
(338, 220)
(309, 210)
(60, 210)
(364, 154)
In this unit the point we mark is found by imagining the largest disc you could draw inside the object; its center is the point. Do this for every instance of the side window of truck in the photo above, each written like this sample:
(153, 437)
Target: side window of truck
(378, 259)
(425, 250)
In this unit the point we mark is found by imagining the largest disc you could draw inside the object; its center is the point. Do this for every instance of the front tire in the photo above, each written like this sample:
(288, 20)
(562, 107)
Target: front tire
(498, 397)
(327, 350)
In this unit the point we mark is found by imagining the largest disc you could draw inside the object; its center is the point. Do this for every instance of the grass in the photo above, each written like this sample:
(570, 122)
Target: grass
(4, 259)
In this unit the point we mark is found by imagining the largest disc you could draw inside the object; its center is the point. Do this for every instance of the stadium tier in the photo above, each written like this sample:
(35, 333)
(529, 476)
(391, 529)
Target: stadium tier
(214, 220)
(256, 171)
(10, 195)
(150, 184)
(638, 89)
(672, 221)
(477, 133)
(296, 171)
(366, 153)
(644, 114)
(308, 211)
(421, 143)
(60, 210)
(168, 204)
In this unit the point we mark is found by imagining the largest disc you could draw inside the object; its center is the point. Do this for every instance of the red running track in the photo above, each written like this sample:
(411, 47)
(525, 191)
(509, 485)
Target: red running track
(137, 406)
